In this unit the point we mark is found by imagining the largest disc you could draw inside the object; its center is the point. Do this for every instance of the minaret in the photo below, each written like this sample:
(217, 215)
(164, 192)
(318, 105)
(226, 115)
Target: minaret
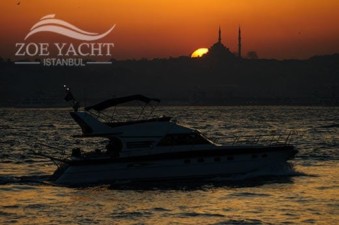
(219, 39)
(239, 43)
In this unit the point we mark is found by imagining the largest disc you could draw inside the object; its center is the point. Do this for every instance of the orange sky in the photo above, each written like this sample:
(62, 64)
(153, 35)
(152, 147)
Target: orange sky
(156, 29)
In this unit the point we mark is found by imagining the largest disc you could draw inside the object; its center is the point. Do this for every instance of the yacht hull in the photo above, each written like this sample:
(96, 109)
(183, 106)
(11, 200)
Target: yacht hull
(186, 165)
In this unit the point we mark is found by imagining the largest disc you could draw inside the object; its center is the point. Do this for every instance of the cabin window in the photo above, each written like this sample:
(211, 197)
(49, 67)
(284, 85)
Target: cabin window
(183, 139)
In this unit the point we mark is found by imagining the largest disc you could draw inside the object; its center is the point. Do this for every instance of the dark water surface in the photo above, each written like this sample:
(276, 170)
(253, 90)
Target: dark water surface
(306, 194)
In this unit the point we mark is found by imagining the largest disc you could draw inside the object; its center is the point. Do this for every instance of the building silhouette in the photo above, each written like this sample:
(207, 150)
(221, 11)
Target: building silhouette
(239, 43)
(219, 51)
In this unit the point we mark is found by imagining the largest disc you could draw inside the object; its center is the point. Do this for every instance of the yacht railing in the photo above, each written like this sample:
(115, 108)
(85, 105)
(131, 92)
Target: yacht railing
(38, 150)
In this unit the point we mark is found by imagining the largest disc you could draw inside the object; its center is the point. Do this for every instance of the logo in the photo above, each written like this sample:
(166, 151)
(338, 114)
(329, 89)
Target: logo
(49, 24)
(64, 54)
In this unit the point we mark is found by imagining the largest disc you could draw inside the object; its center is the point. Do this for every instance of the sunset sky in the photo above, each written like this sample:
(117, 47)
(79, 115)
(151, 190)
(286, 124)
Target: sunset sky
(279, 29)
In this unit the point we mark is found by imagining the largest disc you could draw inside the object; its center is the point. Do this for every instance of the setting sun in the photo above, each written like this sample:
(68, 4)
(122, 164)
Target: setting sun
(199, 52)
(266, 28)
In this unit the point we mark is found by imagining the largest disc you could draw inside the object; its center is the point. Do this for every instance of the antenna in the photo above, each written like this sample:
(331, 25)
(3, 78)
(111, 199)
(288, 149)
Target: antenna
(69, 97)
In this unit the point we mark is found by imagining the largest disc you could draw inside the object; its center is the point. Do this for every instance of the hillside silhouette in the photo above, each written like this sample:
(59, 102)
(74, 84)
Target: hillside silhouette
(182, 80)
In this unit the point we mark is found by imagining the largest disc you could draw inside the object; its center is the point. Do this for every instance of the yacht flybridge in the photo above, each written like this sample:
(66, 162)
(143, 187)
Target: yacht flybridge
(157, 149)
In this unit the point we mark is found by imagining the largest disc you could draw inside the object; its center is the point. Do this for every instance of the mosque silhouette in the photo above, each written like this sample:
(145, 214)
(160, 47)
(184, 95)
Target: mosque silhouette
(219, 51)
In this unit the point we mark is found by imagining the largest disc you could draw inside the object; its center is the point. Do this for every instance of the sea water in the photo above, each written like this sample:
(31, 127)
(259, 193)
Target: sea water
(304, 193)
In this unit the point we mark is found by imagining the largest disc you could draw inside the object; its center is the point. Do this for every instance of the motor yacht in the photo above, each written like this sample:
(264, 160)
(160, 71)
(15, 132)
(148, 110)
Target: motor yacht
(157, 149)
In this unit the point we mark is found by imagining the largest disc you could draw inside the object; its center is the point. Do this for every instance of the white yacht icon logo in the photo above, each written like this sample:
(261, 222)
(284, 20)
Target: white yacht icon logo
(49, 23)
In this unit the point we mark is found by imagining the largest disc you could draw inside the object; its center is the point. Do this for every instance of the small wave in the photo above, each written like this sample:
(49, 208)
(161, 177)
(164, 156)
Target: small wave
(131, 215)
(5, 127)
(37, 206)
(8, 142)
(46, 125)
(249, 194)
(159, 209)
(24, 179)
(320, 156)
(335, 125)
(331, 187)
(6, 213)
(240, 222)
(195, 214)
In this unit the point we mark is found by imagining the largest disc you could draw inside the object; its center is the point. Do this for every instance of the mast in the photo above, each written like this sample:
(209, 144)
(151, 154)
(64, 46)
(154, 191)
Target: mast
(219, 38)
